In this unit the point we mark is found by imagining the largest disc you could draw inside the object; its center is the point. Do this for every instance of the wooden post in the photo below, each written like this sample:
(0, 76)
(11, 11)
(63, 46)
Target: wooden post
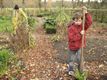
(82, 49)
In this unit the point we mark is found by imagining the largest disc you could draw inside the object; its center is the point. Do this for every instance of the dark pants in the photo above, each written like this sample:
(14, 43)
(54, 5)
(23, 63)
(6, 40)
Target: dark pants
(74, 59)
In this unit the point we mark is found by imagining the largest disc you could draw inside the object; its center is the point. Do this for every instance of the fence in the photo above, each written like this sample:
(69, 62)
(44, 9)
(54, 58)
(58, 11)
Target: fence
(99, 15)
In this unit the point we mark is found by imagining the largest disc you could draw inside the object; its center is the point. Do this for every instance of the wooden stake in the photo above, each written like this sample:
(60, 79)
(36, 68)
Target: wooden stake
(82, 49)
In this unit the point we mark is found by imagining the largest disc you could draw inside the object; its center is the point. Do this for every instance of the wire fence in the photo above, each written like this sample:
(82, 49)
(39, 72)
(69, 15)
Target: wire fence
(99, 15)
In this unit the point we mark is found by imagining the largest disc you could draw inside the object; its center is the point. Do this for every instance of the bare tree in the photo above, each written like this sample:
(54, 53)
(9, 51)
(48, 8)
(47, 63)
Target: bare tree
(39, 4)
(103, 5)
(78, 2)
(23, 3)
(1, 4)
(72, 3)
(49, 3)
(45, 4)
(88, 1)
(62, 3)
(82, 1)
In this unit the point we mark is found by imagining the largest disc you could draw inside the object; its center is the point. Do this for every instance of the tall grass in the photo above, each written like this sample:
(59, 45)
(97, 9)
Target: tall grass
(4, 59)
(5, 24)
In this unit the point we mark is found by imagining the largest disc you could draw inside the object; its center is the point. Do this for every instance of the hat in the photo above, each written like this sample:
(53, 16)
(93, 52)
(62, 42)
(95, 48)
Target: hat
(16, 7)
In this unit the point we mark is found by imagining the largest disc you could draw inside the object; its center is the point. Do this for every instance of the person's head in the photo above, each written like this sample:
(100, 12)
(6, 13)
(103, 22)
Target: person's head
(16, 7)
(77, 18)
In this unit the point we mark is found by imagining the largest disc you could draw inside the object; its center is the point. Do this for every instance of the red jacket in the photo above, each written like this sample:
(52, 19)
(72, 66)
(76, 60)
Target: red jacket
(74, 36)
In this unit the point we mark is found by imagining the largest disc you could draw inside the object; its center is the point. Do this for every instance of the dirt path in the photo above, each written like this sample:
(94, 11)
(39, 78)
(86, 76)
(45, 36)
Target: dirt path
(46, 60)
(39, 61)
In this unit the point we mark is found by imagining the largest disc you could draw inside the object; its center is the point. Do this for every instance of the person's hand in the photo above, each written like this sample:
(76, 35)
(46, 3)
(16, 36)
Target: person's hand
(84, 8)
(82, 32)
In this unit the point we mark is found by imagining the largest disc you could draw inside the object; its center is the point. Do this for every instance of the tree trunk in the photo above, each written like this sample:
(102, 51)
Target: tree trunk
(39, 3)
(89, 2)
(49, 3)
(78, 3)
(72, 2)
(82, 1)
(1, 4)
(23, 2)
(62, 3)
(45, 4)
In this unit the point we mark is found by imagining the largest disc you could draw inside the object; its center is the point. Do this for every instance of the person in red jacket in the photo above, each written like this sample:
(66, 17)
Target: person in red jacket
(75, 33)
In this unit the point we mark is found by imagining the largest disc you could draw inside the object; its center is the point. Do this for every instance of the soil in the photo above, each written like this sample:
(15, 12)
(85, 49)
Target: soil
(46, 61)
(94, 54)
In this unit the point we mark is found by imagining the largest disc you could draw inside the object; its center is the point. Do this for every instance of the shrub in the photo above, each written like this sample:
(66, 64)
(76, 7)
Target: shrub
(80, 76)
(31, 22)
(4, 59)
(50, 26)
